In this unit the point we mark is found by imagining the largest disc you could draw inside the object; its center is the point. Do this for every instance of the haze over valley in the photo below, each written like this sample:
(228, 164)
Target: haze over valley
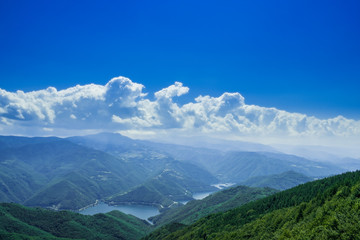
(164, 120)
(157, 161)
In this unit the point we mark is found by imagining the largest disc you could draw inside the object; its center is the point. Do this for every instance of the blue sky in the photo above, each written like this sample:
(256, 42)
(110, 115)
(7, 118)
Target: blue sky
(299, 56)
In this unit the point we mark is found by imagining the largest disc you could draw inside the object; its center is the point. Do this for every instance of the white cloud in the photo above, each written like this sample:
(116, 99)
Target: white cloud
(121, 105)
(174, 90)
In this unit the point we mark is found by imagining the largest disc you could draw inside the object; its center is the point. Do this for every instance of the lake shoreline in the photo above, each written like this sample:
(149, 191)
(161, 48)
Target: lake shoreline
(140, 211)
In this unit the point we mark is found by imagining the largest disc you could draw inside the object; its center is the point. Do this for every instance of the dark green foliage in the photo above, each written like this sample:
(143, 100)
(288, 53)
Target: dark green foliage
(18, 222)
(323, 209)
(280, 181)
(164, 231)
(217, 202)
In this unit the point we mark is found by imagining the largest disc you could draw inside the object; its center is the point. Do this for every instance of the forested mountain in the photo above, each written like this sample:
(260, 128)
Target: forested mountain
(169, 180)
(203, 157)
(239, 166)
(18, 222)
(233, 166)
(217, 202)
(322, 209)
(280, 181)
(75, 172)
(149, 154)
(57, 173)
(61, 174)
(164, 190)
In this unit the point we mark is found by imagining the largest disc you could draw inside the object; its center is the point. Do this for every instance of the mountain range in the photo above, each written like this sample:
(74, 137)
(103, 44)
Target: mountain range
(322, 209)
(76, 172)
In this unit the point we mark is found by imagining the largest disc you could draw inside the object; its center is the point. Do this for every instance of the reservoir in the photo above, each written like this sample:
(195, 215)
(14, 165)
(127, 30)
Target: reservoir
(201, 195)
(140, 211)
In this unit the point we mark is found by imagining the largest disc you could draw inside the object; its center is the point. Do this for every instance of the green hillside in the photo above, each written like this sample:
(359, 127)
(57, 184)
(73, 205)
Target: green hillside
(17, 181)
(226, 166)
(323, 209)
(154, 157)
(56, 173)
(18, 222)
(126, 149)
(280, 181)
(240, 166)
(61, 174)
(217, 202)
(163, 191)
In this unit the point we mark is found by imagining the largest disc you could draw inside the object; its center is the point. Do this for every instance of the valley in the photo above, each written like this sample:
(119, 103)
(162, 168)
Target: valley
(323, 209)
(179, 120)
(154, 183)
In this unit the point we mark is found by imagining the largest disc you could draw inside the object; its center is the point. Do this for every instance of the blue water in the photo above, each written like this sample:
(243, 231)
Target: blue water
(201, 195)
(140, 211)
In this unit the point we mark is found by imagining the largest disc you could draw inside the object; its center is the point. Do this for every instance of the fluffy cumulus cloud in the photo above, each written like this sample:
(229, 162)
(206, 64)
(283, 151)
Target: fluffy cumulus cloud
(122, 105)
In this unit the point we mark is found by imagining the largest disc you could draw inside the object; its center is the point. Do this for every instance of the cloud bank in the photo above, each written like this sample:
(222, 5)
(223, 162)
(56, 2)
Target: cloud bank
(122, 105)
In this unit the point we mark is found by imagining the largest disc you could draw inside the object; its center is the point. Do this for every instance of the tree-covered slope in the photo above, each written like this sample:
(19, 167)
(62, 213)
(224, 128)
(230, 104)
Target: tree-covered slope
(323, 209)
(18, 182)
(240, 166)
(61, 174)
(280, 181)
(155, 157)
(216, 202)
(227, 166)
(51, 172)
(126, 149)
(336, 218)
(18, 222)
(164, 190)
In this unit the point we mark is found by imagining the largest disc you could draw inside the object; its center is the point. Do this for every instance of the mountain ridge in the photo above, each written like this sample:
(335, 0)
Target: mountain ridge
(312, 210)
(50, 172)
